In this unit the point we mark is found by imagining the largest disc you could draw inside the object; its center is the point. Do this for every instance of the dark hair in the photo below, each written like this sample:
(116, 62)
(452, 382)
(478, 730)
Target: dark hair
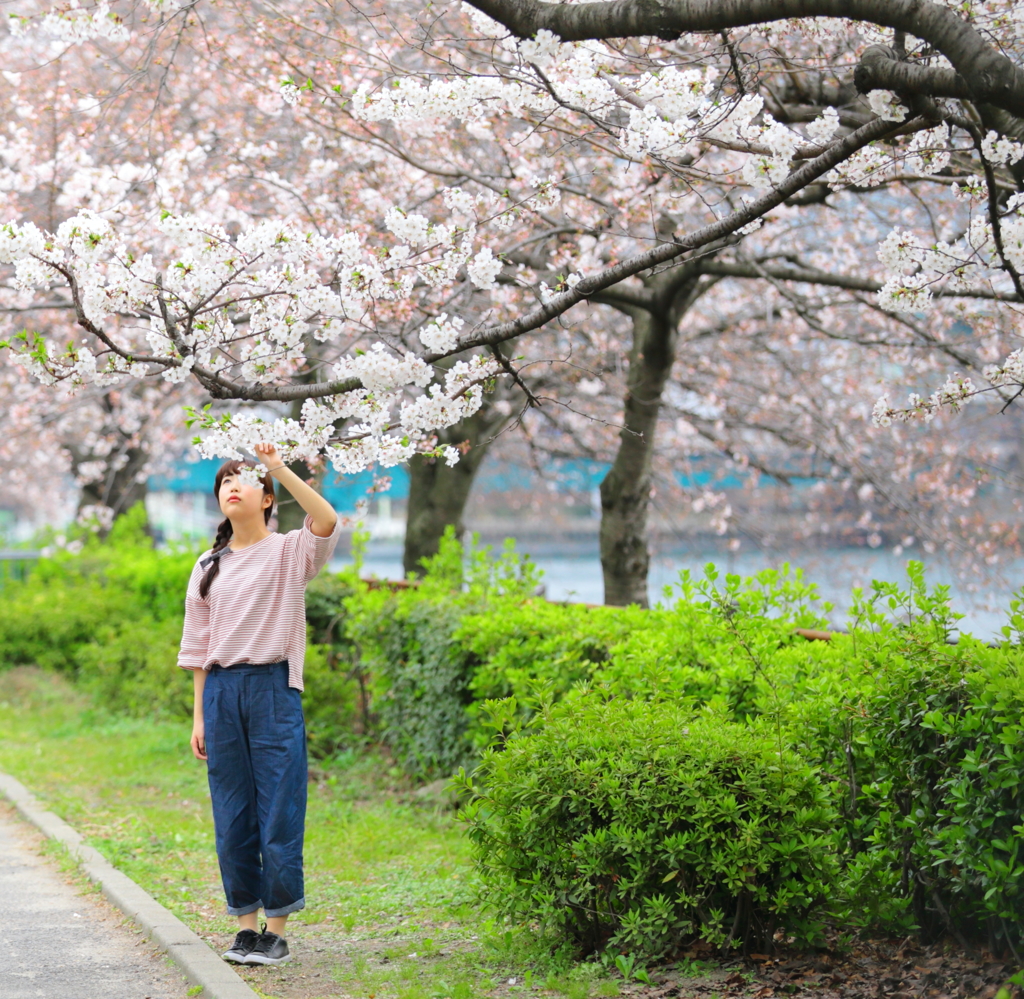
(224, 528)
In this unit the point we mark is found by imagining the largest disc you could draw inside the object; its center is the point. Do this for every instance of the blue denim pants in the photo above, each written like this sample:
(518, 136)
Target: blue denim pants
(256, 750)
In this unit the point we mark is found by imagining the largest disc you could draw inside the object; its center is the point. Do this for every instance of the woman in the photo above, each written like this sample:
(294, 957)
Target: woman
(244, 640)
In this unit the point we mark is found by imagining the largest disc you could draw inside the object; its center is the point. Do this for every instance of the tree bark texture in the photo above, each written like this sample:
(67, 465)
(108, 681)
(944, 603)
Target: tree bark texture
(626, 489)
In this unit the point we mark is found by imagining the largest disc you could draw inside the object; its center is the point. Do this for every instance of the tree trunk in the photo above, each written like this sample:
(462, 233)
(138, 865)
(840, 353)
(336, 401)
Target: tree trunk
(120, 487)
(626, 489)
(438, 492)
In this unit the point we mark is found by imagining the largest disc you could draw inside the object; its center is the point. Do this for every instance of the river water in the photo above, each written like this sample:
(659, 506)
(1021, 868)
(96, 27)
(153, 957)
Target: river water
(577, 578)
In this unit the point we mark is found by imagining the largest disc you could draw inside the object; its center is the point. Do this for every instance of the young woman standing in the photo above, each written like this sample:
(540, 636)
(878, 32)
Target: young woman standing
(245, 641)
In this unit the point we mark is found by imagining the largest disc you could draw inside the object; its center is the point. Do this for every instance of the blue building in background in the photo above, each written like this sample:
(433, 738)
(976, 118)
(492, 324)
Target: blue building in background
(342, 491)
(182, 504)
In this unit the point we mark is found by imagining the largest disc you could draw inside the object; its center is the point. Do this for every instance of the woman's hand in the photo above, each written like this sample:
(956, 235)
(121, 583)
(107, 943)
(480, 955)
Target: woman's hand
(268, 454)
(199, 739)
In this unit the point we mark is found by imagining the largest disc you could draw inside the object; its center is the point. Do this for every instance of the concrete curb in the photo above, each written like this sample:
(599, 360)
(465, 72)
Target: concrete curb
(195, 958)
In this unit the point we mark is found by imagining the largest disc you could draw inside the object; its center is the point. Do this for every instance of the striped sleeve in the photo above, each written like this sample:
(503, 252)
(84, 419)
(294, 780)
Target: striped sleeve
(195, 636)
(311, 551)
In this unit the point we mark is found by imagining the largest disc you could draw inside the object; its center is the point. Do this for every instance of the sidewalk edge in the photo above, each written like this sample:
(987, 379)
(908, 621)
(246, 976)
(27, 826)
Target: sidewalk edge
(193, 955)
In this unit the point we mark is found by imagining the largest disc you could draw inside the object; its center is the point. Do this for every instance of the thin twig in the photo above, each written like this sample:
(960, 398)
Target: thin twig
(531, 399)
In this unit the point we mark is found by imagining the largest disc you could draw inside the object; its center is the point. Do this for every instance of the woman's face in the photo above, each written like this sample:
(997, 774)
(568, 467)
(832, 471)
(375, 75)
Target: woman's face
(239, 501)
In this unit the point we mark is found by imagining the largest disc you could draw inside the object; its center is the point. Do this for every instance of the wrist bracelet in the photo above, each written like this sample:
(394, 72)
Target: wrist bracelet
(269, 470)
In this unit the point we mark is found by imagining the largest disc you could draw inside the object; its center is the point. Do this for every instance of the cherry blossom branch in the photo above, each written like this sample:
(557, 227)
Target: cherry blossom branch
(990, 76)
(808, 275)
(665, 252)
(805, 152)
(954, 394)
(531, 399)
(993, 211)
(80, 317)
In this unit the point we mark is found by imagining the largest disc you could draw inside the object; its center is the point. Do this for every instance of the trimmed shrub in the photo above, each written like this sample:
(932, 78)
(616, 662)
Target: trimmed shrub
(406, 641)
(975, 852)
(132, 668)
(709, 647)
(419, 678)
(110, 616)
(933, 803)
(533, 647)
(72, 600)
(638, 826)
(925, 743)
(331, 703)
(336, 700)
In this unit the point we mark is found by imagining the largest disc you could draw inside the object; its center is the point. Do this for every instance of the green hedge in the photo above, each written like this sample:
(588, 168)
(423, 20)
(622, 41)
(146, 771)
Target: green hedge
(636, 826)
(408, 641)
(108, 615)
(917, 742)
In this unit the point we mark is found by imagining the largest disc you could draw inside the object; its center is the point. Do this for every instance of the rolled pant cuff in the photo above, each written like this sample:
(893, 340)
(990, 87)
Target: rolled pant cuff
(244, 910)
(286, 909)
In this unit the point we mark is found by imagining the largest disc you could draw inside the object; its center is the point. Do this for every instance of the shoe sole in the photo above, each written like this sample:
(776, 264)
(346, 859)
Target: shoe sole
(234, 957)
(267, 960)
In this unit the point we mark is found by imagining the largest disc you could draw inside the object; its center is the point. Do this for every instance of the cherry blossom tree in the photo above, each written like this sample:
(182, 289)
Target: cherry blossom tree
(170, 174)
(923, 156)
(416, 102)
(776, 402)
(593, 153)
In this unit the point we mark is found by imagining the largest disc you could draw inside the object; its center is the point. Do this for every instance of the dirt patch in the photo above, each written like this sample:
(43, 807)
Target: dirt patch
(870, 971)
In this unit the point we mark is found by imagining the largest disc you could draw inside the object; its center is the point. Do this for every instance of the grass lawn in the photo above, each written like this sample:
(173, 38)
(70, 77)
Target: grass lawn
(390, 911)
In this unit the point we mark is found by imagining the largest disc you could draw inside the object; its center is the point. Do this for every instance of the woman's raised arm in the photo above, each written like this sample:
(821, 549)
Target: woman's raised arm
(322, 513)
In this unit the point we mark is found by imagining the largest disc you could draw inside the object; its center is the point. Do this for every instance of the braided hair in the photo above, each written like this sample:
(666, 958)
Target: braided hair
(225, 530)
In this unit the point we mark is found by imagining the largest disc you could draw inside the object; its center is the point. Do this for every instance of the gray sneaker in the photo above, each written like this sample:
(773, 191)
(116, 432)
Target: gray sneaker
(269, 949)
(242, 947)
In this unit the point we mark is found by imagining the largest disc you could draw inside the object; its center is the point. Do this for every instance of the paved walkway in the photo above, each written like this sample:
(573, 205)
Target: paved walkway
(57, 943)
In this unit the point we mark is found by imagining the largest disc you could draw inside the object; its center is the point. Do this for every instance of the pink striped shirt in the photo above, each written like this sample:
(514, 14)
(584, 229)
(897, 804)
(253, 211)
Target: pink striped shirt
(255, 611)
